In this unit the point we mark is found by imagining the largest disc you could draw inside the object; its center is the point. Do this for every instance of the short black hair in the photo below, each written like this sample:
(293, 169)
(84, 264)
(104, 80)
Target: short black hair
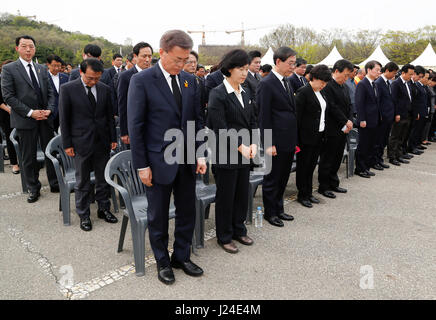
(320, 72)
(141, 45)
(17, 40)
(407, 67)
(93, 50)
(342, 64)
(253, 54)
(371, 65)
(116, 55)
(95, 64)
(356, 67)
(283, 53)
(54, 57)
(308, 69)
(266, 68)
(300, 62)
(419, 70)
(129, 57)
(195, 54)
(390, 66)
(234, 59)
(199, 66)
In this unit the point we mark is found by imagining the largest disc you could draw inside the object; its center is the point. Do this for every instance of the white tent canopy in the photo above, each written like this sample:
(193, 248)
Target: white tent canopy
(377, 55)
(427, 59)
(268, 58)
(332, 57)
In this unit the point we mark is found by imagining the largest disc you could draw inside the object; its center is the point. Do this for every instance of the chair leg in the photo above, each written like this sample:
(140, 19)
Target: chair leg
(199, 225)
(123, 233)
(65, 200)
(114, 199)
(2, 161)
(250, 205)
(138, 237)
(347, 166)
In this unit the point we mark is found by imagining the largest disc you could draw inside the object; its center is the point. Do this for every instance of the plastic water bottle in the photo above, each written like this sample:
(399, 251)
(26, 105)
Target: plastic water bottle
(258, 220)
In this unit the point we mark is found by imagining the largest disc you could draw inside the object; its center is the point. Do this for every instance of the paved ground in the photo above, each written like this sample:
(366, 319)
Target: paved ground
(378, 241)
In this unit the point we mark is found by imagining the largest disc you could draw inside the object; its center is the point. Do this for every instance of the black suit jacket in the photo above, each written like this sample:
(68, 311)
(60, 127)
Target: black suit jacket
(277, 112)
(212, 80)
(63, 78)
(295, 82)
(367, 104)
(401, 99)
(339, 111)
(80, 122)
(122, 91)
(226, 112)
(387, 108)
(308, 115)
(419, 100)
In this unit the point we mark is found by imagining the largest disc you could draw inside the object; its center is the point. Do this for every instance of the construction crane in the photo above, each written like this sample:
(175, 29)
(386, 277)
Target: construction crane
(19, 14)
(242, 31)
(203, 34)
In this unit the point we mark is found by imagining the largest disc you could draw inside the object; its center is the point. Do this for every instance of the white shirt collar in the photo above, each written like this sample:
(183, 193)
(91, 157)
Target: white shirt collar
(230, 89)
(138, 68)
(84, 84)
(278, 75)
(165, 73)
(252, 73)
(53, 76)
(384, 78)
(404, 81)
(25, 63)
(370, 81)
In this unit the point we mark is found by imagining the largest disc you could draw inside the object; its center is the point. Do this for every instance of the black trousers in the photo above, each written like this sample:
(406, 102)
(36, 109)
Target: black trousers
(85, 164)
(398, 136)
(407, 135)
(274, 184)
(28, 140)
(382, 138)
(332, 152)
(158, 197)
(432, 132)
(365, 153)
(307, 159)
(231, 203)
(415, 137)
(5, 124)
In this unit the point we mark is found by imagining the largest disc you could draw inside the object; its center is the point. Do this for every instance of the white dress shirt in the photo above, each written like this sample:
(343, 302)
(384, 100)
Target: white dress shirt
(93, 89)
(323, 104)
(56, 80)
(407, 87)
(167, 77)
(230, 89)
(25, 65)
(138, 68)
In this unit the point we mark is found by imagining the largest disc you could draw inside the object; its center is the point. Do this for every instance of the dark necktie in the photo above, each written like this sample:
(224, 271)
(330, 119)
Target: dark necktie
(286, 86)
(389, 86)
(176, 91)
(375, 89)
(91, 97)
(302, 81)
(36, 87)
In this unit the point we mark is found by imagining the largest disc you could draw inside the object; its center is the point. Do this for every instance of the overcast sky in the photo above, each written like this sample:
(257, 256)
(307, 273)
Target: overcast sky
(146, 20)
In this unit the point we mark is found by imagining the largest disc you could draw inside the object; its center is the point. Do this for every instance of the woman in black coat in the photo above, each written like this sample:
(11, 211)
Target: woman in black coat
(230, 107)
(311, 111)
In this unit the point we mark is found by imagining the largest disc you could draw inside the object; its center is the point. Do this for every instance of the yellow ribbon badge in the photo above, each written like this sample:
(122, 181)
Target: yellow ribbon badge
(186, 84)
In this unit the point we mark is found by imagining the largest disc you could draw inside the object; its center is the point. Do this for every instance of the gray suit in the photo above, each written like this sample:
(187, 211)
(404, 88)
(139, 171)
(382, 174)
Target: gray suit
(19, 93)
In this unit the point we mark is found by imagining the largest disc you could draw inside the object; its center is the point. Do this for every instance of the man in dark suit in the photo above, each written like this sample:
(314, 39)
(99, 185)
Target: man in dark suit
(117, 61)
(368, 116)
(419, 110)
(213, 80)
(142, 53)
(402, 100)
(387, 110)
(297, 79)
(88, 135)
(159, 99)
(338, 123)
(56, 79)
(26, 89)
(91, 51)
(277, 109)
(253, 77)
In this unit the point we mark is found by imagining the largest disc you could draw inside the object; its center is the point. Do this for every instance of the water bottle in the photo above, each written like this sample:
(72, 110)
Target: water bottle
(258, 220)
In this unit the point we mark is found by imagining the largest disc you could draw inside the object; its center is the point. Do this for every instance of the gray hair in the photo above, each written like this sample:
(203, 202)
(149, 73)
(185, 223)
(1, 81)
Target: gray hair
(173, 38)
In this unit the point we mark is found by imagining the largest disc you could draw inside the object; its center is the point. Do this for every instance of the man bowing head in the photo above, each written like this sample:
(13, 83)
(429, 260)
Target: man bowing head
(165, 98)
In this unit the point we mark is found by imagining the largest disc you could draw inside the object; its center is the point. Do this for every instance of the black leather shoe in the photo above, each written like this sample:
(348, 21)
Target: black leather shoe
(229, 247)
(165, 275)
(370, 173)
(284, 216)
(339, 189)
(107, 216)
(314, 200)
(385, 166)
(33, 197)
(362, 174)
(395, 162)
(54, 189)
(85, 223)
(377, 167)
(306, 203)
(275, 221)
(327, 194)
(416, 152)
(245, 240)
(189, 267)
(407, 156)
(426, 143)
(421, 148)
(401, 160)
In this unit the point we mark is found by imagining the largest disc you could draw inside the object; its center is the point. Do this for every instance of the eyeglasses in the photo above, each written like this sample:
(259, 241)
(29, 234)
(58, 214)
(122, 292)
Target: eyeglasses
(178, 61)
(25, 46)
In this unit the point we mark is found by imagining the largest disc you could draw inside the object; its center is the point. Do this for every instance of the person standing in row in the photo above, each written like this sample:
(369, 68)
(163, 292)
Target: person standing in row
(297, 79)
(277, 109)
(26, 89)
(230, 107)
(312, 106)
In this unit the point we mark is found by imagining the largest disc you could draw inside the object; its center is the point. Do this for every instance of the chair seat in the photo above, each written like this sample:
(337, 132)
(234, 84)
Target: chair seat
(205, 192)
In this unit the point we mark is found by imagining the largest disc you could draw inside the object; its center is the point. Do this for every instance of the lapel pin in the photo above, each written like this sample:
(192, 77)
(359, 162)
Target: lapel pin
(186, 84)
